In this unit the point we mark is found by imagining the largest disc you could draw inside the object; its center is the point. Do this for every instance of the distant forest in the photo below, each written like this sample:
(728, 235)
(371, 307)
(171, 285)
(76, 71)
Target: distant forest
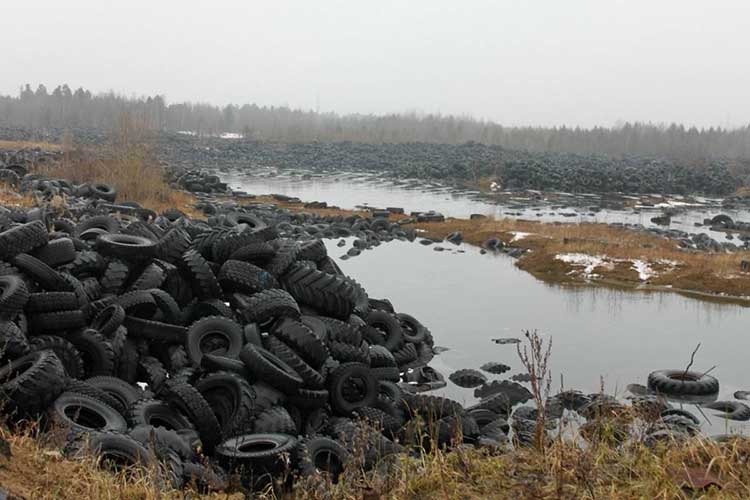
(63, 107)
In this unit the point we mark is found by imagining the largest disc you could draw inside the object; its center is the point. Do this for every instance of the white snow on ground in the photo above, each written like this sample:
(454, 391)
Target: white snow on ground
(644, 270)
(589, 262)
(518, 235)
(230, 135)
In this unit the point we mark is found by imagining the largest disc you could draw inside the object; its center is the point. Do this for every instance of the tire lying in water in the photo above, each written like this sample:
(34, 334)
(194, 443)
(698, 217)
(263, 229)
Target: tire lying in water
(682, 383)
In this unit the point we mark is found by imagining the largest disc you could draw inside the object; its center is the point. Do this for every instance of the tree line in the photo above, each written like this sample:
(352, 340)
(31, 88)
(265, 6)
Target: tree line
(65, 108)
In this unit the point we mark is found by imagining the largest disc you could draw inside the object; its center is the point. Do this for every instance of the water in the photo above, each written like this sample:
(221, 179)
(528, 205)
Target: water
(352, 190)
(598, 334)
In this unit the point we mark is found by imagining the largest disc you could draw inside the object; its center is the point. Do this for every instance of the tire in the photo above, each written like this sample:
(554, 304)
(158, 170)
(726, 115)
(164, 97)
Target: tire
(214, 335)
(213, 363)
(13, 294)
(104, 192)
(13, 342)
(314, 250)
(96, 351)
(125, 393)
(109, 319)
(138, 303)
(127, 362)
(351, 386)
(226, 246)
(152, 276)
(126, 247)
(82, 387)
(346, 353)
(167, 306)
(155, 330)
(173, 245)
(467, 378)
(52, 301)
(238, 276)
(153, 372)
(82, 413)
(112, 447)
(286, 254)
(380, 357)
(318, 454)
(430, 407)
(268, 305)
(157, 413)
(413, 331)
(732, 410)
(328, 293)
(207, 284)
(71, 359)
(57, 321)
(56, 252)
(341, 331)
(159, 437)
(48, 278)
(30, 383)
(115, 275)
(232, 399)
(22, 238)
(270, 369)
(311, 378)
(188, 400)
(300, 338)
(389, 326)
(86, 263)
(259, 452)
(681, 383)
(255, 253)
(275, 420)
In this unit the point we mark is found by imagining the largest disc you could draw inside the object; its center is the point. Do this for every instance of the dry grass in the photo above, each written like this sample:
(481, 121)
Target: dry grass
(697, 271)
(564, 469)
(131, 171)
(16, 145)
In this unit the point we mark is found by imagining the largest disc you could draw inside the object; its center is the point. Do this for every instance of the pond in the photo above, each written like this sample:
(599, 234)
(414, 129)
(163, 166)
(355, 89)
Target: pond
(600, 336)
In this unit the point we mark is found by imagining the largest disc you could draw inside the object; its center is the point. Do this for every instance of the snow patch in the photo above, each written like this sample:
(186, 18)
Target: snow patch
(588, 262)
(518, 235)
(643, 269)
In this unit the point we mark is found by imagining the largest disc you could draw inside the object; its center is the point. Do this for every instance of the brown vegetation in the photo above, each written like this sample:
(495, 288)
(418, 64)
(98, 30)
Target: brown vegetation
(20, 145)
(696, 271)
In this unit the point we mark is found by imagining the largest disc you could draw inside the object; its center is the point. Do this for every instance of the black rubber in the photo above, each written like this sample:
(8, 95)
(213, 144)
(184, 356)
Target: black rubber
(269, 305)
(125, 246)
(311, 378)
(13, 294)
(390, 328)
(319, 454)
(213, 335)
(57, 321)
(188, 400)
(85, 388)
(56, 252)
(413, 331)
(352, 386)
(83, 413)
(71, 359)
(682, 383)
(157, 413)
(270, 369)
(111, 447)
(155, 330)
(239, 276)
(262, 451)
(52, 301)
(96, 351)
(109, 319)
(125, 393)
(275, 420)
(30, 383)
(207, 284)
(232, 400)
(41, 273)
(302, 339)
(328, 293)
(13, 342)
(22, 238)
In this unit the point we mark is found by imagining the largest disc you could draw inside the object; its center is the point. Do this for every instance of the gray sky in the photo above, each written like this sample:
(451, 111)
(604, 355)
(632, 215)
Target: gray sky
(579, 62)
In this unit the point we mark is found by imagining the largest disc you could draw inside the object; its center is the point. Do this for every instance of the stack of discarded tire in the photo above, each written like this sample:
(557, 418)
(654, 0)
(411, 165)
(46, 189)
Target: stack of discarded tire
(218, 350)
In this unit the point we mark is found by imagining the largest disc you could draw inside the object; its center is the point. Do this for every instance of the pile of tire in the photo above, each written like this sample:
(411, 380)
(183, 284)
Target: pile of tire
(215, 349)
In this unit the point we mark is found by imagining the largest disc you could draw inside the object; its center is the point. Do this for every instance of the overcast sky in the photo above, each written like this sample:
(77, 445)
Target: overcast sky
(579, 62)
